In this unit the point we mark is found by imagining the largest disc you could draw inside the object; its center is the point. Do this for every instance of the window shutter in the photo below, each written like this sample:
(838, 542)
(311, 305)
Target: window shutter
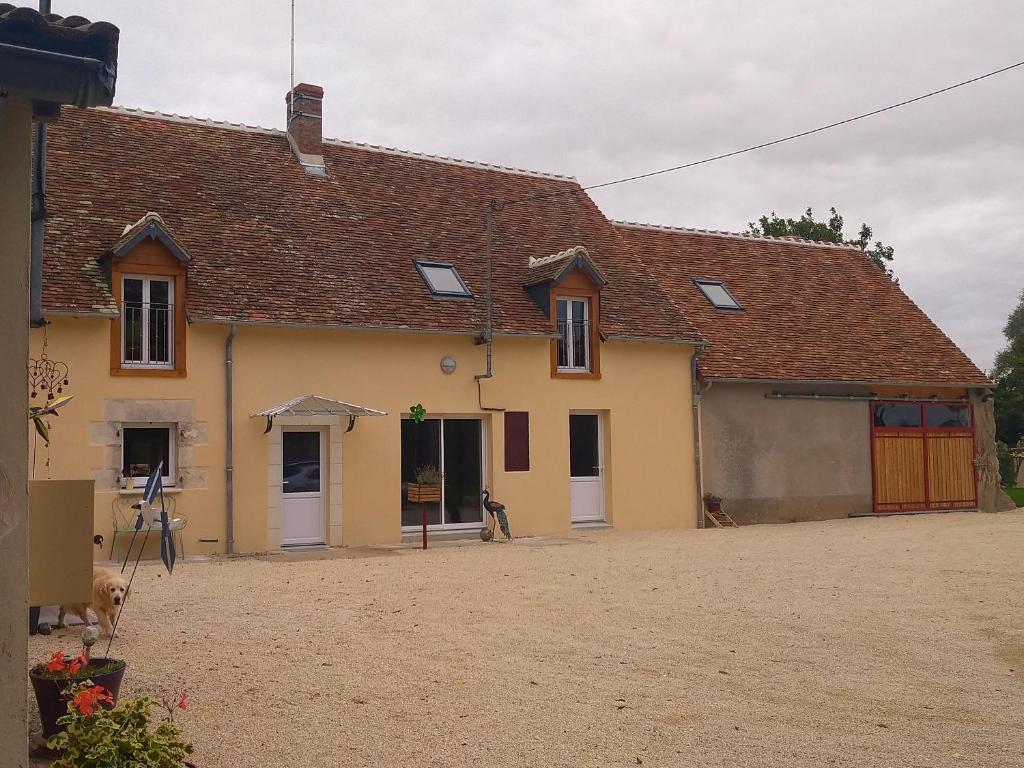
(517, 441)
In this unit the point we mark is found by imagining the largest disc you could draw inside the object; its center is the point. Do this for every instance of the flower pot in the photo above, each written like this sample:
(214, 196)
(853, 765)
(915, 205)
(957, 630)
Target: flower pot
(421, 493)
(50, 692)
(713, 506)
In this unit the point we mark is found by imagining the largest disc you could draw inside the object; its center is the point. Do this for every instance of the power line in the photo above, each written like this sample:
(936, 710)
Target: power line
(771, 143)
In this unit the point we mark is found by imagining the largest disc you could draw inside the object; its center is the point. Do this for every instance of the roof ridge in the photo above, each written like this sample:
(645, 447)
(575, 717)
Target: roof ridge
(189, 119)
(540, 261)
(735, 235)
(366, 146)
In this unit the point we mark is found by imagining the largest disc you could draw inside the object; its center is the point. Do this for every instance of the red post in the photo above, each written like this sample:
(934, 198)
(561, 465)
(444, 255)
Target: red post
(423, 508)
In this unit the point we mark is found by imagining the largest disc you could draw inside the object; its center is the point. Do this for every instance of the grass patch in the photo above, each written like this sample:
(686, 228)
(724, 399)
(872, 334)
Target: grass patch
(1017, 494)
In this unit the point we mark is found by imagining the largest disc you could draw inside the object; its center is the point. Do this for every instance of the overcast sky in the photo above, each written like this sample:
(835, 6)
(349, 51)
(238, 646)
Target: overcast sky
(600, 90)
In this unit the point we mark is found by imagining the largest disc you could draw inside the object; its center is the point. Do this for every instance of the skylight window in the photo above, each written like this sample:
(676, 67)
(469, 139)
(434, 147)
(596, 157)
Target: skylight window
(718, 295)
(442, 279)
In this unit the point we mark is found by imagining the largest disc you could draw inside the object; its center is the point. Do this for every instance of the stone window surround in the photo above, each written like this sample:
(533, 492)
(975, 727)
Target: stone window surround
(331, 462)
(190, 433)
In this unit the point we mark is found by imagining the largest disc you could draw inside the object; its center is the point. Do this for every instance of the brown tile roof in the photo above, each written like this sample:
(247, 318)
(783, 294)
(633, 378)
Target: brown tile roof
(812, 311)
(271, 243)
(554, 267)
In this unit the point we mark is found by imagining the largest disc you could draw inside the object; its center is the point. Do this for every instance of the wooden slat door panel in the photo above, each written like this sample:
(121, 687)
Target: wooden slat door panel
(950, 470)
(919, 465)
(899, 472)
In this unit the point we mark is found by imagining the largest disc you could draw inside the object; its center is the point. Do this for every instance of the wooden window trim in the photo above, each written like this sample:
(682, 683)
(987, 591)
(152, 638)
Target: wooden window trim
(576, 286)
(127, 267)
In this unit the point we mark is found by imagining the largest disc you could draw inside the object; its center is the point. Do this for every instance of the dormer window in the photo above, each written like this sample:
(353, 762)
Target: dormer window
(573, 321)
(719, 296)
(148, 271)
(567, 287)
(147, 322)
(442, 279)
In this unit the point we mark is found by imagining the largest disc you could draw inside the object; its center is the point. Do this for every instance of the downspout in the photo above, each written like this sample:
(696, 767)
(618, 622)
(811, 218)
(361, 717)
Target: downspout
(35, 280)
(38, 218)
(695, 398)
(229, 443)
(489, 333)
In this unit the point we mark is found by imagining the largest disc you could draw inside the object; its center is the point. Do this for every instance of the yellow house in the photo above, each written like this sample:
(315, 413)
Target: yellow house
(260, 310)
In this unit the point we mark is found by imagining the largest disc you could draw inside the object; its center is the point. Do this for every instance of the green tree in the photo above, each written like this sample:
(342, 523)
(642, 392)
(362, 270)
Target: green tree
(1008, 375)
(830, 231)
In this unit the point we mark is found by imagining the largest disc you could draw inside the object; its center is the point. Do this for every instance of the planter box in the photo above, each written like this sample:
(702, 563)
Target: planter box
(421, 494)
(50, 693)
(713, 506)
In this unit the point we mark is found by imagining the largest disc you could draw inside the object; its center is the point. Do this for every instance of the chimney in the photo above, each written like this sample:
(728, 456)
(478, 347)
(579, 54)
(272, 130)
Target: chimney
(305, 132)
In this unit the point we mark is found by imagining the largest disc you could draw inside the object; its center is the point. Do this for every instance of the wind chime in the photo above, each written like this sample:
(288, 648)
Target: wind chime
(50, 377)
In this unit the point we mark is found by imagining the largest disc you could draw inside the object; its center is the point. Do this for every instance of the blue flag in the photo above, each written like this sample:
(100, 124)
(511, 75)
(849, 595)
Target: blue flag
(167, 551)
(154, 484)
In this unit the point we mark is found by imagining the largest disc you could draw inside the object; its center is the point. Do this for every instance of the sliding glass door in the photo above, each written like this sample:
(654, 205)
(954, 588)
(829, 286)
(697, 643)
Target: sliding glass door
(453, 449)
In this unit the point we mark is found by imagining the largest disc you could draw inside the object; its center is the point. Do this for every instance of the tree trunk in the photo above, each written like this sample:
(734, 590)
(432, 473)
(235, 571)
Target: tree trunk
(991, 496)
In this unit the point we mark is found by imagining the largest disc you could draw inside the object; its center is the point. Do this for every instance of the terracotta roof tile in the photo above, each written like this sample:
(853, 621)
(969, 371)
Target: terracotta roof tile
(71, 35)
(271, 243)
(812, 311)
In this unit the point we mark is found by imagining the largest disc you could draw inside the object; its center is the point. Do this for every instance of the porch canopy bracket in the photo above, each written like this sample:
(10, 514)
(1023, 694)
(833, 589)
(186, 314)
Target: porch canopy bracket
(316, 405)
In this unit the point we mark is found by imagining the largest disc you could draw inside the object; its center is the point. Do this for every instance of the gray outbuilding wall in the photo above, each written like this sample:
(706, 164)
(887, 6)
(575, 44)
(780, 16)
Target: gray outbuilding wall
(775, 461)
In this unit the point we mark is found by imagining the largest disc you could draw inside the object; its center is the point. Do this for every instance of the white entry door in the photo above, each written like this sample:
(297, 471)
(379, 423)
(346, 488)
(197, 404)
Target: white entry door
(586, 470)
(302, 489)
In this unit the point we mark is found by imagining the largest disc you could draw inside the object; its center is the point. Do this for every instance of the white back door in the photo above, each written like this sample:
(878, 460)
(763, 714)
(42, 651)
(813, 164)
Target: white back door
(302, 489)
(586, 470)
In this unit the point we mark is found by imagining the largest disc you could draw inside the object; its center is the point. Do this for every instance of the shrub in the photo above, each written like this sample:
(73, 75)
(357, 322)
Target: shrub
(121, 737)
(1007, 468)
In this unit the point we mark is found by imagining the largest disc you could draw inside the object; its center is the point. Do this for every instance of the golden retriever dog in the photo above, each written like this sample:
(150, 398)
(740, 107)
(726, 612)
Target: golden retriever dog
(108, 593)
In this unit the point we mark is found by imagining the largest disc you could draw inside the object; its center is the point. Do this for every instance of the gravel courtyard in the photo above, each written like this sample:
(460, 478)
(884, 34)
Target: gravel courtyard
(868, 642)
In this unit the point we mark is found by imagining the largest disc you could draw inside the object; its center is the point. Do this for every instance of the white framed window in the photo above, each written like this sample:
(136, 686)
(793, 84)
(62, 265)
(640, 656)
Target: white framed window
(573, 334)
(147, 321)
(143, 446)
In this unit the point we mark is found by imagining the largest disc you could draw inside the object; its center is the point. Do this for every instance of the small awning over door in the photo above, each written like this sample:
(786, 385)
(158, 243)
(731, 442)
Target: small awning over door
(316, 405)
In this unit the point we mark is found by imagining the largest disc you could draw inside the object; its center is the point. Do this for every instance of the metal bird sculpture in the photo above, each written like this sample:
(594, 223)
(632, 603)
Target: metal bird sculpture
(497, 511)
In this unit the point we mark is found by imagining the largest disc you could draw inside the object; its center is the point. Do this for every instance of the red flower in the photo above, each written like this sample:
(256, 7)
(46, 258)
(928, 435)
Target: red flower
(182, 701)
(88, 699)
(56, 662)
(76, 664)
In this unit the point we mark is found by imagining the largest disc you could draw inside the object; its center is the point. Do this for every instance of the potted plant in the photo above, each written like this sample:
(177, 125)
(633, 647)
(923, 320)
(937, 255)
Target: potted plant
(712, 503)
(427, 486)
(53, 680)
(101, 734)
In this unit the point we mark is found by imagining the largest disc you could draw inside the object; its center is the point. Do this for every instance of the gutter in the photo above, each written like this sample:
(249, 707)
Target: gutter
(868, 397)
(851, 382)
(229, 443)
(47, 76)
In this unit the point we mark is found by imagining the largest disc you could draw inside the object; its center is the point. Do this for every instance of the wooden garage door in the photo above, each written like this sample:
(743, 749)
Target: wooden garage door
(922, 456)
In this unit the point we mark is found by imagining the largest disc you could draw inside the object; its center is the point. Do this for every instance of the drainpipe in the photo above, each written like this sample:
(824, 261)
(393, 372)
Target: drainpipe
(229, 443)
(695, 397)
(489, 333)
(38, 217)
(35, 279)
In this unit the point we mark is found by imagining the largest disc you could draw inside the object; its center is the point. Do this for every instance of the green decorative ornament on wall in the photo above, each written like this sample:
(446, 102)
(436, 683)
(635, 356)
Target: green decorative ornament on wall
(417, 413)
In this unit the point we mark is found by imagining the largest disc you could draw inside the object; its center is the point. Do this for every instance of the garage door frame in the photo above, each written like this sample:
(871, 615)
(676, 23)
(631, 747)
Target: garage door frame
(917, 486)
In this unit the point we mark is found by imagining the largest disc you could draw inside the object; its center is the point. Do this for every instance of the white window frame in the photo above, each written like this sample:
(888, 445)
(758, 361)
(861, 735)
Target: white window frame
(170, 475)
(147, 281)
(570, 356)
